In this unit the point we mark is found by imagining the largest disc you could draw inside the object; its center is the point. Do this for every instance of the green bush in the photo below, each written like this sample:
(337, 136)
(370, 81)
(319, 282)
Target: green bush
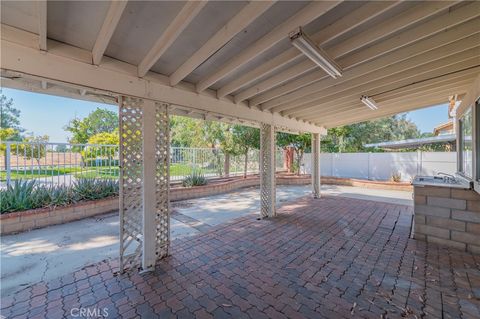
(194, 179)
(92, 188)
(24, 195)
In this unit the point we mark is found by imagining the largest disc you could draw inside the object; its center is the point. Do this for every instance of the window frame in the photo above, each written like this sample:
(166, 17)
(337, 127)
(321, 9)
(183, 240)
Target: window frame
(460, 144)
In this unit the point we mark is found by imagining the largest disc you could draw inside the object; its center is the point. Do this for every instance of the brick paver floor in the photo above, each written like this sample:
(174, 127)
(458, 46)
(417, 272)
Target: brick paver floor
(327, 258)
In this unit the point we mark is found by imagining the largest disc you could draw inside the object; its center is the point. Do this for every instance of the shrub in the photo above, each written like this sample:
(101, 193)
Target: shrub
(396, 177)
(194, 179)
(92, 188)
(24, 195)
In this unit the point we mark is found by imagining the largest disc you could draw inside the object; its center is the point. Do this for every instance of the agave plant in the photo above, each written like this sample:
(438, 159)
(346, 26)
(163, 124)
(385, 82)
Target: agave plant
(17, 196)
(92, 188)
(194, 179)
(23, 195)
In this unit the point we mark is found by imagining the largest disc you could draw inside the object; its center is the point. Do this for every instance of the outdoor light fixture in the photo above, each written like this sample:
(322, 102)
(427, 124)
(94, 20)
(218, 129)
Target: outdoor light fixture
(302, 42)
(368, 101)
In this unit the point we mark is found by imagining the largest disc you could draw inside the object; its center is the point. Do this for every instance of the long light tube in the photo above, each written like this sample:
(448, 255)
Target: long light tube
(369, 102)
(303, 43)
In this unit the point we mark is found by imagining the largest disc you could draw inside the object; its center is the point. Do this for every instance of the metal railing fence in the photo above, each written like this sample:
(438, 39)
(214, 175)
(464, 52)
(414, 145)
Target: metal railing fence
(64, 163)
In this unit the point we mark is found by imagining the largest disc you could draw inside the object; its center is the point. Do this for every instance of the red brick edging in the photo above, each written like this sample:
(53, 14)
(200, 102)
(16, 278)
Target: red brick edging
(37, 218)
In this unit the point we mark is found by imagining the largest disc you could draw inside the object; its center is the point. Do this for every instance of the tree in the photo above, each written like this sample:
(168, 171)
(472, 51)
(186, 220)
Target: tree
(244, 139)
(103, 138)
(300, 143)
(98, 121)
(351, 138)
(33, 148)
(9, 120)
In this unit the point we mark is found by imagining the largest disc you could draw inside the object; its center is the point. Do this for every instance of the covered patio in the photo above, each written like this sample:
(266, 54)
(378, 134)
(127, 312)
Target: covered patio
(280, 66)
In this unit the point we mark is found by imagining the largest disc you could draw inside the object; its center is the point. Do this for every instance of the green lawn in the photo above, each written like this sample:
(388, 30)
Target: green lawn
(38, 173)
(107, 172)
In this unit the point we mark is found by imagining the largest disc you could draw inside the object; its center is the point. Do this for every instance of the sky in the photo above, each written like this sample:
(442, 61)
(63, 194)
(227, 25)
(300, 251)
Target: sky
(44, 114)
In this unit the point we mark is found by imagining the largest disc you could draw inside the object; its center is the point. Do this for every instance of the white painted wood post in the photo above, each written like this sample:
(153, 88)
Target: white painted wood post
(316, 165)
(149, 191)
(267, 170)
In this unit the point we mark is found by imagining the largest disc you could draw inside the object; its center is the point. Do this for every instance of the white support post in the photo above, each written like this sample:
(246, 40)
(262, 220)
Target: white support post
(149, 191)
(316, 165)
(267, 170)
(144, 183)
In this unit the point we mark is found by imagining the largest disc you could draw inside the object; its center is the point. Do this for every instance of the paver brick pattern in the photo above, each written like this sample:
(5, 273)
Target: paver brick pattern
(326, 258)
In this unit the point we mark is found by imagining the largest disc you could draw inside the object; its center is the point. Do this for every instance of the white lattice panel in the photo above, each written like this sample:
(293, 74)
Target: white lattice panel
(131, 181)
(267, 170)
(144, 182)
(162, 180)
(316, 165)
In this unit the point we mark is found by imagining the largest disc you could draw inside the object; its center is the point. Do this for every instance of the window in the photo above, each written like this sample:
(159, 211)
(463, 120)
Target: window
(466, 144)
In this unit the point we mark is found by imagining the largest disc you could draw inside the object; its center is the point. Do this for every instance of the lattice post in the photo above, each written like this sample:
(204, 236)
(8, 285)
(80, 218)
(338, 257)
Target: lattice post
(316, 165)
(267, 170)
(131, 181)
(144, 183)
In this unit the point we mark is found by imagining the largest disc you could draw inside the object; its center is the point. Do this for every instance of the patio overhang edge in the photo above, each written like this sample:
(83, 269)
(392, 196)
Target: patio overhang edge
(66, 64)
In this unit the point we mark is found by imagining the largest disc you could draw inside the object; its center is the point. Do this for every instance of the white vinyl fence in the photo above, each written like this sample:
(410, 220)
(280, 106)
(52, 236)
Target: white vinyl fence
(381, 166)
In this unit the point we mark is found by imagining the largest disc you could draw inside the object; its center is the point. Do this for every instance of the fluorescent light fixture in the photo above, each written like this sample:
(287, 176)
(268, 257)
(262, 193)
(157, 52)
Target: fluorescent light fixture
(302, 42)
(368, 101)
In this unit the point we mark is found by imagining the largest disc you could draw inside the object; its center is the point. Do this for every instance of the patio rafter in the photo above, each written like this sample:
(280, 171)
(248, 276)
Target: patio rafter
(239, 22)
(306, 15)
(186, 15)
(42, 24)
(415, 102)
(346, 101)
(414, 51)
(348, 22)
(359, 108)
(396, 66)
(384, 29)
(110, 23)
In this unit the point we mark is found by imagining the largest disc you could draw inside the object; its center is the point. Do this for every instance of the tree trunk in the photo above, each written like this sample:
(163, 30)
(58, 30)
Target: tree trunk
(299, 160)
(246, 165)
(226, 165)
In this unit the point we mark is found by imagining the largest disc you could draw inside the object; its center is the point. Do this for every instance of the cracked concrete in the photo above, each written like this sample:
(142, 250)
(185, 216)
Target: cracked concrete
(47, 253)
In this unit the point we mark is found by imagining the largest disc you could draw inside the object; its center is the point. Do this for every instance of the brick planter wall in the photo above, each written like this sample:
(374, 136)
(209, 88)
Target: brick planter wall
(448, 216)
(36, 218)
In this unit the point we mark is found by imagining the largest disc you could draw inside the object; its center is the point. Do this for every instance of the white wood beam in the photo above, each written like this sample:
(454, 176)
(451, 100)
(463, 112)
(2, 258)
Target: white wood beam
(346, 23)
(462, 34)
(106, 32)
(410, 104)
(303, 17)
(463, 61)
(384, 76)
(42, 24)
(435, 25)
(388, 91)
(354, 105)
(239, 22)
(188, 12)
(64, 64)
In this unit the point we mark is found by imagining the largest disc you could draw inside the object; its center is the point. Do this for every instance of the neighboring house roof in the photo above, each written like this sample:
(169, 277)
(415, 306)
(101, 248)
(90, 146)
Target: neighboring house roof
(414, 142)
(445, 127)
